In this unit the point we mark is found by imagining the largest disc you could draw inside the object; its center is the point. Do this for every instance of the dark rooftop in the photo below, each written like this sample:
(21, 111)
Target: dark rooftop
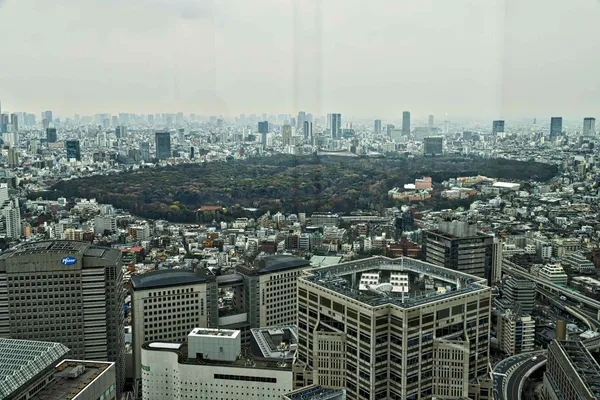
(164, 278)
(279, 263)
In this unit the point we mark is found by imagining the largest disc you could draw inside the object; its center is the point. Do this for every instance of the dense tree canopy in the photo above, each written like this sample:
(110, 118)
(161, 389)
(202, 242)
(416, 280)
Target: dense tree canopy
(282, 183)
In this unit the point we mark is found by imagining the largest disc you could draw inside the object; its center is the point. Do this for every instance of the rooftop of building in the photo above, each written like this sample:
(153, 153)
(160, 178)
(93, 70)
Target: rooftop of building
(584, 363)
(22, 360)
(277, 342)
(276, 263)
(165, 278)
(72, 377)
(338, 278)
(66, 247)
(214, 332)
(249, 357)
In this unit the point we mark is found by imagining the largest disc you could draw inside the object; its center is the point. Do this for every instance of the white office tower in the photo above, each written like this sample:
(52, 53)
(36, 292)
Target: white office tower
(214, 365)
(10, 214)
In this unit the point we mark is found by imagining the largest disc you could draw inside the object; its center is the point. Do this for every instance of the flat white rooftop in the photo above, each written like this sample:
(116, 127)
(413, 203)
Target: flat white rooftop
(165, 345)
(214, 332)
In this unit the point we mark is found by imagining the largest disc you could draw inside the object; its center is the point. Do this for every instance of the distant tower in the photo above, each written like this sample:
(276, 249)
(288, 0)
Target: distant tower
(4, 123)
(48, 115)
(300, 120)
(377, 126)
(589, 126)
(406, 123)
(334, 124)
(73, 150)
(14, 121)
(497, 127)
(430, 124)
(555, 127)
(51, 135)
(308, 131)
(163, 145)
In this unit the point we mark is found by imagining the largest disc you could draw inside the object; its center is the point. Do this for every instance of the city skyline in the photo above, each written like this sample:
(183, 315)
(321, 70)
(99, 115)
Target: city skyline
(498, 60)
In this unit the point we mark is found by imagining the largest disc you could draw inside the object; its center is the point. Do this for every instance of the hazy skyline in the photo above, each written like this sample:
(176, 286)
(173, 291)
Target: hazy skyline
(494, 59)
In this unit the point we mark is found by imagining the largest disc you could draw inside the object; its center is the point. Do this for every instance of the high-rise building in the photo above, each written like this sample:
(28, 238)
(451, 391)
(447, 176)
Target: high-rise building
(448, 245)
(377, 127)
(516, 333)
(572, 372)
(406, 123)
(308, 131)
(73, 150)
(145, 151)
(520, 291)
(14, 121)
(430, 122)
(66, 292)
(393, 329)
(497, 127)
(589, 126)
(286, 134)
(120, 132)
(433, 145)
(167, 304)
(334, 125)
(48, 116)
(4, 123)
(263, 127)
(163, 145)
(269, 290)
(388, 130)
(51, 136)
(13, 158)
(555, 127)
(300, 120)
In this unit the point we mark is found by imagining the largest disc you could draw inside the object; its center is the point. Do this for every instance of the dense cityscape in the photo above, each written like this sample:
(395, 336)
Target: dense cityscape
(172, 256)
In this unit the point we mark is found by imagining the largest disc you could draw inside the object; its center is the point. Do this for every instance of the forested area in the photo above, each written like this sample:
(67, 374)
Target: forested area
(281, 183)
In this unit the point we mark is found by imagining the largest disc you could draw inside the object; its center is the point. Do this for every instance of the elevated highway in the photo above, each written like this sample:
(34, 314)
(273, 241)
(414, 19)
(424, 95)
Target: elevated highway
(512, 269)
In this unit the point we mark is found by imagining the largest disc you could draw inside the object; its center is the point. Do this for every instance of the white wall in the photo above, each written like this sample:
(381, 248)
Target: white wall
(164, 379)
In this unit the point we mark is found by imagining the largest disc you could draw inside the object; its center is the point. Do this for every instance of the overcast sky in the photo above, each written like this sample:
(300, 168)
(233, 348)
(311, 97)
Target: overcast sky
(485, 58)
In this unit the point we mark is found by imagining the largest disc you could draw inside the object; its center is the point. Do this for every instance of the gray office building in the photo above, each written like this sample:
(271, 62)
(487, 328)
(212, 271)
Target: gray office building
(145, 151)
(163, 145)
(497, 127)
(334, 124)
(51, 135)
(520, 291)
(66, 292)
(401, 328)
(308, 131)
(555, 127)
(406, 123)
(457, 245)
(433, 146)
(589, 126)
(377, 126)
